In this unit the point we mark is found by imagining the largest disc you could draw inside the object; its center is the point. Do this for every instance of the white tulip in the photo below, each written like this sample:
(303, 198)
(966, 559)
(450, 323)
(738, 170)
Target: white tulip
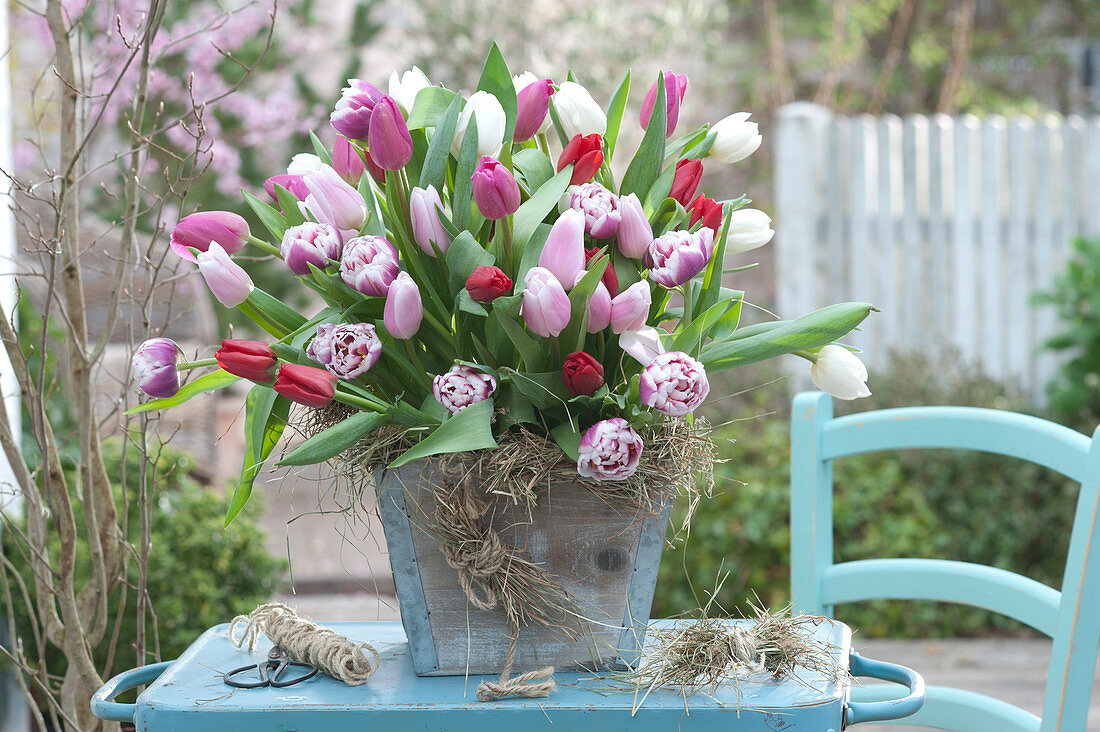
(304, 164)
(485, 109)
(521, 81)
(749, 228)
(403, 88)
(839, 372)
(735, 138)
(577, 111)
(643, 344)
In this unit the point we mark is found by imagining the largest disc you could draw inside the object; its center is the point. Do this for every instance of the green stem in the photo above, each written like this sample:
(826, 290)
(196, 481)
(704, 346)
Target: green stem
(555, 349)
(685, 290)
(811, 357)
(261, 320)
(186, 365)
(443, 331)
(355, 401)
(506, 239)
(414, 356)
(261, 244)
(544, 144)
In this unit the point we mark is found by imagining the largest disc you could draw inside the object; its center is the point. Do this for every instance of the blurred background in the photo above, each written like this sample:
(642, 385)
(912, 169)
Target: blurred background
(939, 159)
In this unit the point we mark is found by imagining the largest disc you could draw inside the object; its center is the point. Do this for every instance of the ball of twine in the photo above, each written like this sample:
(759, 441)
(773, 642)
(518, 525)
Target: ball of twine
(307, 642)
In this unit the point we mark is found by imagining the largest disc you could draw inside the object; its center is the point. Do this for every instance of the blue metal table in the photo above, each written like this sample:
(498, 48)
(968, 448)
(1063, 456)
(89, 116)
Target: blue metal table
(189, 695)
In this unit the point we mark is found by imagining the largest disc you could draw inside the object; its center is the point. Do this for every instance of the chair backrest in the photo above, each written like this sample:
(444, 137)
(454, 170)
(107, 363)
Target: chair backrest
(1070, 617)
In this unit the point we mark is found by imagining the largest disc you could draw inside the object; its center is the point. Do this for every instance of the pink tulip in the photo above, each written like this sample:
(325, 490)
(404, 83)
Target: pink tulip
(404, 309)
(347, 350)
(495, 189)
(545, 306)
(154, 367)
(643, 344)
(292, 183)
(462, 386)
(347, 161)
(675, 86)
(599, 309)
(563, 252)
(534, 104)
(609, 450)
(676, 257)
(600, 208)
(673, 383)
(196, 231)
(352, 115)
(369, 265)
(225, 278)
(630, 308)
(635, 233)
(426, 227)
(332, 201)
(310, 243)
(391, 146)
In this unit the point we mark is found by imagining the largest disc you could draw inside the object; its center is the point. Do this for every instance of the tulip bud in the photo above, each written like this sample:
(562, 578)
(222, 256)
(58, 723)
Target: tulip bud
(303, 164)
(749, 228)
(609, 450)
(643, 344)
(196, 231)
(404, 309)
(369, 265)
(489, 119)
(533, 101)
(462, 386)
(582, 374)
(155, 367)
(310, 243)
(545, 308)
(487, 283)
(352, 115)
(495, 189)
(706, 210)
(585, 152)
(635, 232)
(839, 372)
(332, 201)
(685, 180)
(405, 87)
(630, 308)
(229, 283)
(676, 257)
(599, 309)
(610, 278)
(563, 252)
(391, 145)
(347, 162)
(735, 138)
(293, 183)
(600, 208)
(578, 112)
(428, 232)
(250, 360)
(306, 385)
(675, 86)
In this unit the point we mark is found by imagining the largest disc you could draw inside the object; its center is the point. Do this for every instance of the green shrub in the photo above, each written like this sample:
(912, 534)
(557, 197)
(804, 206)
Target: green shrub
(942, 504)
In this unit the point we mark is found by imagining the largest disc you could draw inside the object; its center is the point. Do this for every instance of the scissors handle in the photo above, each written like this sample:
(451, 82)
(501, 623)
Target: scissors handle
(275, 678)
(229, 677)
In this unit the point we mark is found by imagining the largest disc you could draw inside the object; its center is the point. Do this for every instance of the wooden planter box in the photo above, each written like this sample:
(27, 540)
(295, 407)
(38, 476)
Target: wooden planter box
(605, 557)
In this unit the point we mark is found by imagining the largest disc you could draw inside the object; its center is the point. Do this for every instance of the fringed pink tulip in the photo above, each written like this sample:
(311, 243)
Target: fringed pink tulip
(609, 450)
(347, 350)
(676, 257)
(369, 265)
(462, 386)
(674, 383)
(600, 208)
(310, 243)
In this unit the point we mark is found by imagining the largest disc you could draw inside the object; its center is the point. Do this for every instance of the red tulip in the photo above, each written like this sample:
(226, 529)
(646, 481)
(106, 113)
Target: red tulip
(706, 210)
(306, 385)
(582, 374)
(685, 180)
(610, 279)
(586, 154)
(486, 283)
(250, 360)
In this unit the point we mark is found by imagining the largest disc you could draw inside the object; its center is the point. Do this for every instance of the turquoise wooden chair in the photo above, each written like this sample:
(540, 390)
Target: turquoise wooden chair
(1070, 617)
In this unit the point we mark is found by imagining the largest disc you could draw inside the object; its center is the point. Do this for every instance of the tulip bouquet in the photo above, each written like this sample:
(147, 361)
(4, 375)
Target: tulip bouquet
(479, 270)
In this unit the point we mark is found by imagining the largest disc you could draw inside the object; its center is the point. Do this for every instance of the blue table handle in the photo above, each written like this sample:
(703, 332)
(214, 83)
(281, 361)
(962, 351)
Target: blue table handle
(880, 711)
(112, 711)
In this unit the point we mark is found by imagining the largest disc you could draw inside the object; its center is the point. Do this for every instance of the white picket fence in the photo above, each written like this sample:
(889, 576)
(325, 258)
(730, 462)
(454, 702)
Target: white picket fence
(948, 224)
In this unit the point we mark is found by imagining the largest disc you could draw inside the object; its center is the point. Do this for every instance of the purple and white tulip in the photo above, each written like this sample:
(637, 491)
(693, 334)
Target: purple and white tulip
(369, 265)
(673, 383)
(600, 208)
(676, 257)
(227, 280)
(462, 386)
(310, 243)
(630, 308)
(332, 201)
(609, 450)
(643, 344)
(352, 114)
(348, 350)
(154, 367)
(545, 308)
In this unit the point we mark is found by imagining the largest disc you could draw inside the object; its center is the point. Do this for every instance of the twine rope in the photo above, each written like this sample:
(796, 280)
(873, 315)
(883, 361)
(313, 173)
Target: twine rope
(307, 642)
(479, 562)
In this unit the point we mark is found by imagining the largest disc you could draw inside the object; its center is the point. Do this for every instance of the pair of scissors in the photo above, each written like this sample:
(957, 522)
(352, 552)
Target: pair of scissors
(270, 673)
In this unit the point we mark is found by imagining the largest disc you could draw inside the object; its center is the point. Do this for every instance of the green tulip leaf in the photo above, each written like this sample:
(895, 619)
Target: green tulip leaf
(615, 112)
(272, 220)
(470, 429)
(535, 209)
(646, 165)
(265, 419)
(434, 172)
(496, 79)
(467, 162)
(331, 442)
(429, 107)
(207, 382)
